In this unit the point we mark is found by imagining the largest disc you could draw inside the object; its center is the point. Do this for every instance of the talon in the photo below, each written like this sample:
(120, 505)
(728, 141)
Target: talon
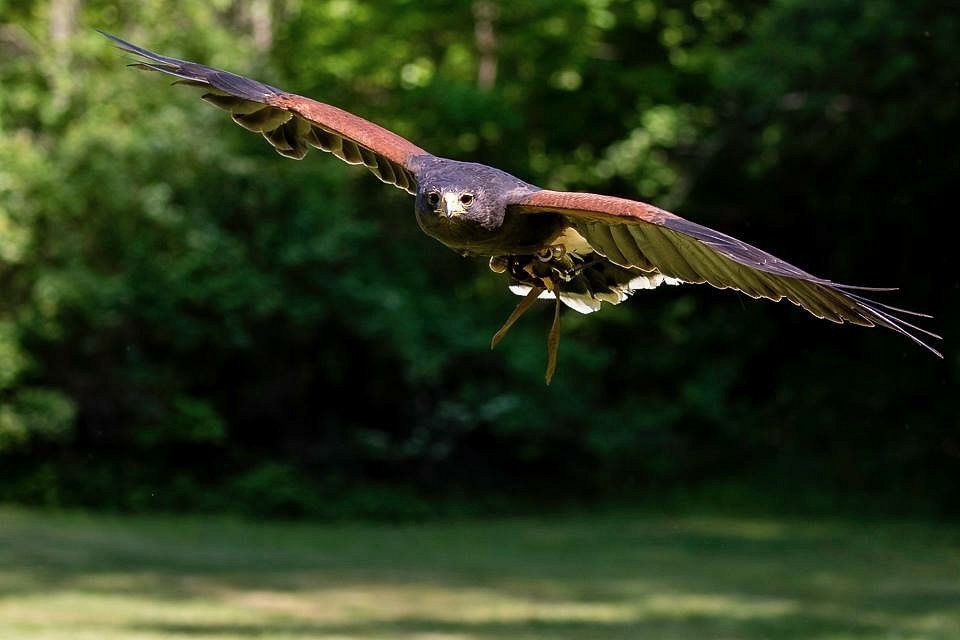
(553, 252)
(499, 264)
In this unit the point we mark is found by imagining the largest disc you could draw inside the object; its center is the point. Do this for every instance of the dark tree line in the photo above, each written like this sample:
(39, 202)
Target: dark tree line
(190, 321)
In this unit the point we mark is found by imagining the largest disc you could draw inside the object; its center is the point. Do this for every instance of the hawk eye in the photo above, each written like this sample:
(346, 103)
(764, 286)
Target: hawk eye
(433, 198)
(466, 199)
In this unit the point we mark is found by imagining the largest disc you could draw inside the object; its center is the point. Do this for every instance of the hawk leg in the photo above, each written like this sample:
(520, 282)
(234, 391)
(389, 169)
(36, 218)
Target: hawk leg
(541, 273)
(553, 341)
(525, 304)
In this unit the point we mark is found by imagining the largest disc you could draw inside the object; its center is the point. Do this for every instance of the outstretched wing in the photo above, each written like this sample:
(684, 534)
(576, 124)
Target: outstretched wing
(637, 235)
(291, 122)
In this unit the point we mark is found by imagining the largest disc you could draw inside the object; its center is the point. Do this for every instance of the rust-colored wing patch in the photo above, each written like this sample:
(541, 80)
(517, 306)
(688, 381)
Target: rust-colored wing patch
(640, 236)
(592, 206)
(292, 123)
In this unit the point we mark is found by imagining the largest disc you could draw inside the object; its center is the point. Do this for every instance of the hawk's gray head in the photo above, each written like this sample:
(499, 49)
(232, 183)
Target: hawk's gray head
(464, 206)
(457, 200)
(454, 192)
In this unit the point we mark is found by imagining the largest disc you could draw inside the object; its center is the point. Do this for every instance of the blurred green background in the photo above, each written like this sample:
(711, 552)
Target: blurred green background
(188, 320)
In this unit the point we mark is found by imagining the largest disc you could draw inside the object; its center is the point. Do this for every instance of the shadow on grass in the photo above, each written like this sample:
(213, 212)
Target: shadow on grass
(622, 576)
(655, 626)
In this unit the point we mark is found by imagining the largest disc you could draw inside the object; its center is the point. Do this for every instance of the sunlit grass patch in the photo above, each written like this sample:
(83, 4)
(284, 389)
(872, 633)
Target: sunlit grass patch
(610, 576)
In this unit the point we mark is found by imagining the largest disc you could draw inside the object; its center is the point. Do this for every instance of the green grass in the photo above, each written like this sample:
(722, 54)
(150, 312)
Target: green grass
(76, 577)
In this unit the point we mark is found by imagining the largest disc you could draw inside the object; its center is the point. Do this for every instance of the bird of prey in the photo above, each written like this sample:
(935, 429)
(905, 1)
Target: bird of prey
(580, 249)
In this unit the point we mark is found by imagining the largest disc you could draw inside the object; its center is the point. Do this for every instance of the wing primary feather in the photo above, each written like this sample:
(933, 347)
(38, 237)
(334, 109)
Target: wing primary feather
(609, 245)
(849, 309)
(266, 119)
(320, 139)
(129, 47)
(230, 82)
(230, 103)
(796, 293)
(892, 322)
(845, 309)
(737, 250)
(868, 304)
(887, 306)
(750, 256)
(762, 283)
(196, 83)
(627, 245)
(336, 146)
(277, 139)
(405, 179)
(149, 66)
(351, 152)
(369, 157)
(855, 287)
(836, 305)
(665, 252)
(384, 169)
(719, 267)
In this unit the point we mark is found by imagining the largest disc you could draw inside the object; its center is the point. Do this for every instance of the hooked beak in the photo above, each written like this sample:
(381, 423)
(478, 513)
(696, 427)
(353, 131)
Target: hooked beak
(452, 208)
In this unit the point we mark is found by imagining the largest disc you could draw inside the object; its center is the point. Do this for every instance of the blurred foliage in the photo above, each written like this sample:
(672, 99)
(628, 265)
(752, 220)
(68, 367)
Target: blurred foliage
(192, 322)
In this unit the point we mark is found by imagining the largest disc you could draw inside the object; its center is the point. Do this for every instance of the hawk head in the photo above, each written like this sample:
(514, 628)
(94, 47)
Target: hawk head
(456, 201)
(458, 193)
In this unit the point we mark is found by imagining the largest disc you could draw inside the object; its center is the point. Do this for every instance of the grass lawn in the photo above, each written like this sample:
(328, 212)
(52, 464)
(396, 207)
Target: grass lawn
(76, 577)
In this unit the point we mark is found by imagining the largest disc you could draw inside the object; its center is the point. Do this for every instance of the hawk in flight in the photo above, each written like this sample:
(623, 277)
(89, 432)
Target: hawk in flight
(581, 249)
